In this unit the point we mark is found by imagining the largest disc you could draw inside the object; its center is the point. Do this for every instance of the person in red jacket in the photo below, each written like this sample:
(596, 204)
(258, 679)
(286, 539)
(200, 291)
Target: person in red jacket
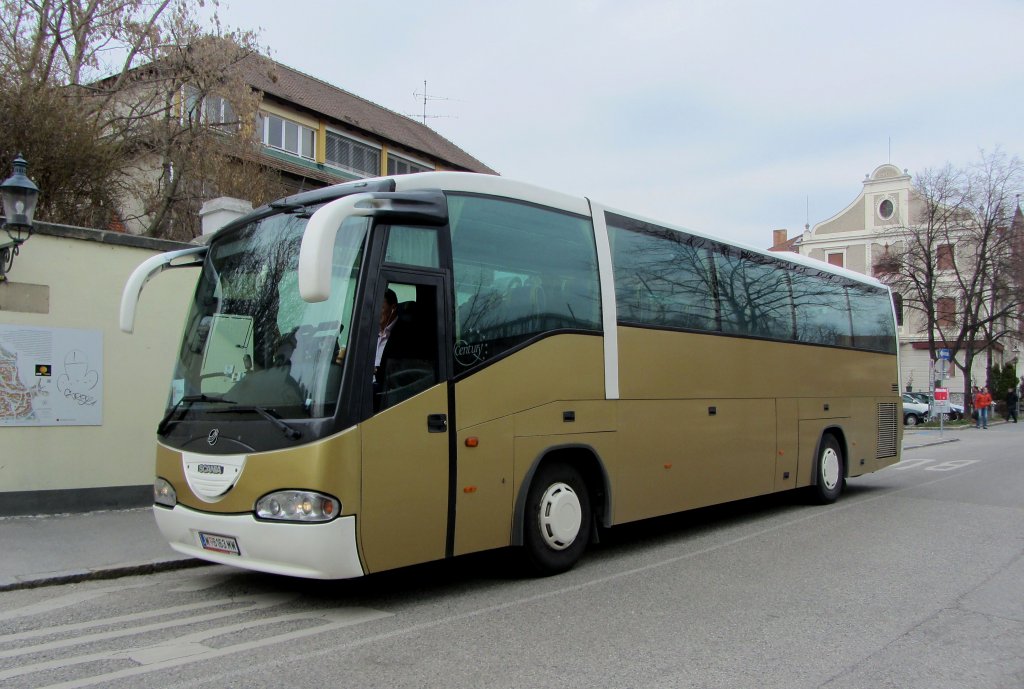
(982, 404)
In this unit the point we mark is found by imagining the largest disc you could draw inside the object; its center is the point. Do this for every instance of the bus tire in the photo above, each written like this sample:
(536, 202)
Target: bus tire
(557, 520)
(829, 472)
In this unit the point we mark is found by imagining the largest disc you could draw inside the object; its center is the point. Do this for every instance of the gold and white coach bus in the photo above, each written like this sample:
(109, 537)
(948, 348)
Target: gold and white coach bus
(554, 367)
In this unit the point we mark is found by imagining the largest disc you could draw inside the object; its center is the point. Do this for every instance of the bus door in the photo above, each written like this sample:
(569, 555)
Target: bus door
(405, 443)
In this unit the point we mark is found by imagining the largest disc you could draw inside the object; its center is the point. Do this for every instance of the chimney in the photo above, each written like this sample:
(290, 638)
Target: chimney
(779, 237)
(218, 212)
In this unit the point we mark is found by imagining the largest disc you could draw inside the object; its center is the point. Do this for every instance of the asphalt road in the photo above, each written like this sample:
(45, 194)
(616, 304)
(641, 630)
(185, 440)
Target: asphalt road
(915, 578)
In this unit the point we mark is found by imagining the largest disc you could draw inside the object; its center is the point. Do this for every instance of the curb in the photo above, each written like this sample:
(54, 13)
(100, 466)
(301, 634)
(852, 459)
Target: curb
(33, 581)
(929, 443)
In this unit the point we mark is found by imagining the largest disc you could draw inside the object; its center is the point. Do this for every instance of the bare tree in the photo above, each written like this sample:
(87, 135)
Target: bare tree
(953, 266)
(161, 115)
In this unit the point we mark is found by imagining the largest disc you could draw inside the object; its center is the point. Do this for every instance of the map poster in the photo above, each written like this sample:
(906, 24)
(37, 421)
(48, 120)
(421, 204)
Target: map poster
(50, 376)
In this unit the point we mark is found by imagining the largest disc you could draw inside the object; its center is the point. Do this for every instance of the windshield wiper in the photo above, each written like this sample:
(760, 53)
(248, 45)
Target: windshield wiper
(188, 401)
(289, 431)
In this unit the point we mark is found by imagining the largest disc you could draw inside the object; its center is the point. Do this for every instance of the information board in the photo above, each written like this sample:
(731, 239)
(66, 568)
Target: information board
(50, 376)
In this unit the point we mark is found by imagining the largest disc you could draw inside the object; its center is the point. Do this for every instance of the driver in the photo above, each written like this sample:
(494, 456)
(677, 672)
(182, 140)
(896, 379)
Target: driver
(388, 316)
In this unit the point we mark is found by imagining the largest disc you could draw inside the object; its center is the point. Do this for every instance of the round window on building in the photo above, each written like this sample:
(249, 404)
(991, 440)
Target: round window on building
(885, 209)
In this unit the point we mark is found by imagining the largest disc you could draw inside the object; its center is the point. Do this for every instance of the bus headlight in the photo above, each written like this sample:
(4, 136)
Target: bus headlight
(297, 506)
(164, 493)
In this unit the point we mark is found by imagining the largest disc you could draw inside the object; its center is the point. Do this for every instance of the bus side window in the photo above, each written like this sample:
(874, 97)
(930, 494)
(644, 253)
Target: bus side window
(520, 271)
(409, 364)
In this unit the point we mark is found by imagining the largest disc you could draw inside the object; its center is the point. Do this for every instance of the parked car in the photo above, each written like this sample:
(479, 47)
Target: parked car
(956, 411)
(914, 411)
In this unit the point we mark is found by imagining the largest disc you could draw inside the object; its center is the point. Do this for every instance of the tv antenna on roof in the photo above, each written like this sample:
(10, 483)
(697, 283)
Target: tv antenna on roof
(427, 97)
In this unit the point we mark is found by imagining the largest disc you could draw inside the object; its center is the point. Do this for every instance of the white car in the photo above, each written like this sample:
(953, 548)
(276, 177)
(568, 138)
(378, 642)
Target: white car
(956, 411)
(914, 412)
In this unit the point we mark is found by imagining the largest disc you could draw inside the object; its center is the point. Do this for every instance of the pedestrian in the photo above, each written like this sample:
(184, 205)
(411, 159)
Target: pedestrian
(1011, 403)
(982, 403)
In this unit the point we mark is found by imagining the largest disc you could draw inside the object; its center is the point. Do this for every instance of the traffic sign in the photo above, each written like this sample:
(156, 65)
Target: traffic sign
(944, 354)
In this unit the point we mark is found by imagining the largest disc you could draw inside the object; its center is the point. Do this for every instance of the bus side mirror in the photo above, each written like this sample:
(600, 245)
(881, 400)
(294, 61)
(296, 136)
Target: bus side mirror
(317, 248)
(145, 272)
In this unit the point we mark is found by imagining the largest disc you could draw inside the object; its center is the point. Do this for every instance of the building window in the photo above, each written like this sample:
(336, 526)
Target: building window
(218, 111)
(352, 155)
(944, 257)
(886, 209)
(404, 166)
(286, 135)
(886, 263)
(945, 311)
(836, 259)
(210, 109)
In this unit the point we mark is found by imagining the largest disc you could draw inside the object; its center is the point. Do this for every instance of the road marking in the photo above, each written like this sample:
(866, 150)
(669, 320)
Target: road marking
(190, 648)
(67, 601)
(170, 617)
(952, 465)
(905, 464)
(919, 462)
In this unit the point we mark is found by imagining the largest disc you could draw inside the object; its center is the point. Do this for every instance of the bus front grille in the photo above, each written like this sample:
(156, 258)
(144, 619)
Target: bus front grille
(887, 430)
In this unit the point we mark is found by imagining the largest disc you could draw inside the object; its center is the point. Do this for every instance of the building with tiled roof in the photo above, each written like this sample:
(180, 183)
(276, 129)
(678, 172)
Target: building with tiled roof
(316, 133)
(781, 244)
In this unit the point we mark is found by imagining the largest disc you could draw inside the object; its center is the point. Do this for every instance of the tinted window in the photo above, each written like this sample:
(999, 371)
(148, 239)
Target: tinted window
(667, 278)
(520, 270)
(755, 296)
(871, 313)
(414, 246)
(662, 277)
(822, 312)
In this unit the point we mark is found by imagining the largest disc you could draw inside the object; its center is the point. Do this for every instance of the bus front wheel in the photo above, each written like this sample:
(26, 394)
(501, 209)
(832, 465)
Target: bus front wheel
(557, 520)
(829, 472)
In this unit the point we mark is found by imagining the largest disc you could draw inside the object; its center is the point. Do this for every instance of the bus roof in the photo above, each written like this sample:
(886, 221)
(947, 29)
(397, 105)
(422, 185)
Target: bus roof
(493, 185)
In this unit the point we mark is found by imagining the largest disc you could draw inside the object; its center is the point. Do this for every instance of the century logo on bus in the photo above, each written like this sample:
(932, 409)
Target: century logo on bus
(467, 354)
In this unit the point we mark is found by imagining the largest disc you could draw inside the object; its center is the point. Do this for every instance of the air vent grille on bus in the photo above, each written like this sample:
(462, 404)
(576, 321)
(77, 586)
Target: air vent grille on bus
(888, 429)
(895, 387)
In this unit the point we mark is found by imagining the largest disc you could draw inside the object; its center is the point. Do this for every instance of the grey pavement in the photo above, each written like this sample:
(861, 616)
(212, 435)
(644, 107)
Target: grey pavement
(923, 437)
(46, 550)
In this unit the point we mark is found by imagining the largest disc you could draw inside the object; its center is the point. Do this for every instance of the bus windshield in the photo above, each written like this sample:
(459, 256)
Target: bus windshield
(250, 340)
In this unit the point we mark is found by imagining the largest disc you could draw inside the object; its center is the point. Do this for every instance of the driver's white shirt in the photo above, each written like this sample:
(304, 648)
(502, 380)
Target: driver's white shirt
(382, 341)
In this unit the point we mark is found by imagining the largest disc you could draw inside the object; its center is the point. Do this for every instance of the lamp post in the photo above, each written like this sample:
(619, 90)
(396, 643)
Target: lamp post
(19, 198)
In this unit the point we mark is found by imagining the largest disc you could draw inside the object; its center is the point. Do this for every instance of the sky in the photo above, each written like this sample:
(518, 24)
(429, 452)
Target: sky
(733, 118)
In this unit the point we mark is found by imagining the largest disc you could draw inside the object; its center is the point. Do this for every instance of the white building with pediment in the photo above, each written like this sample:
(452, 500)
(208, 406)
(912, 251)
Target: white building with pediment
(858, 238)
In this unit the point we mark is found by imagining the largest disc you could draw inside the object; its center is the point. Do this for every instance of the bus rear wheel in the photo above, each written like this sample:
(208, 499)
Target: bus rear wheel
(557, 520)
(829, 472)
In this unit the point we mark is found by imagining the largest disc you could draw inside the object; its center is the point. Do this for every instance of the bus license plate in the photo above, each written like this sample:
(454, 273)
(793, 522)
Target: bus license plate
(219, 544)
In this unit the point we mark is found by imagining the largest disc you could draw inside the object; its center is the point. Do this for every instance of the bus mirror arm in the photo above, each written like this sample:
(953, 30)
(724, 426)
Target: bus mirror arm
(145, 272)
(317, 249)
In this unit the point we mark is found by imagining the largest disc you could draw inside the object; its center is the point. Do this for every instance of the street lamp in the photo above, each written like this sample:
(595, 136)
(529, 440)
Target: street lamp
(19, 197)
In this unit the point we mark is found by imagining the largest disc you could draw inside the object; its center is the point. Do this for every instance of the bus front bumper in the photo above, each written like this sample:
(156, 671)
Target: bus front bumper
(313, 551)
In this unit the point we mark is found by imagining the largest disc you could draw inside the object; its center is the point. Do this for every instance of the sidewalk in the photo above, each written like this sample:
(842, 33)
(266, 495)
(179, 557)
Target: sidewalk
(61, 549)
(923, 437)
